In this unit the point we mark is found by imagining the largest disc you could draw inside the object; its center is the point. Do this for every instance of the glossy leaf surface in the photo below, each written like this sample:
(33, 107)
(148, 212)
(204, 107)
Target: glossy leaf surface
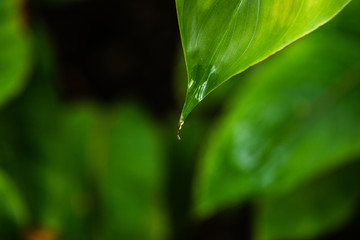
(312, 210)
(14, 49)
(297, 118)
(223, 38)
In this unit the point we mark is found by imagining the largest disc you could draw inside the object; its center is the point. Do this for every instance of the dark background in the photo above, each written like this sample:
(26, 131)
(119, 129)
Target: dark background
(111, 50)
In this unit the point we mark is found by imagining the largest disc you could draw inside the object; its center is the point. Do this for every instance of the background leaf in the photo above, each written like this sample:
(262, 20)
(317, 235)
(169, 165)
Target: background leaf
(223, 38)
(310, 210)
(132, 183)
(15, 49)
(296, 119)
(13, 211)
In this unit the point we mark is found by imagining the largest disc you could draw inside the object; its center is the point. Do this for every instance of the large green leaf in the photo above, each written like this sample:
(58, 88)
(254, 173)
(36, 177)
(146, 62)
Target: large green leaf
(223, 38)
(297, 118)
(14, 50)
(314, 209)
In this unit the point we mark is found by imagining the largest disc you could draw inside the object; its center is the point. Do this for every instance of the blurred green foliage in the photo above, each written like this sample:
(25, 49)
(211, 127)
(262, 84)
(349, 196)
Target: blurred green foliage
(78, 170)
(13, 210)
(295, 119)
(290, 124)
(317, 207)
(287, 141)
(15, 49)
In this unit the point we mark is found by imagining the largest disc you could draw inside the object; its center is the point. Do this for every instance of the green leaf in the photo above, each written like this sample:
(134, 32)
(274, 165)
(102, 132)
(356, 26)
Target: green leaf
(317, 208)
(133, 175)
(123, 152)
(36, 135)
(223, 38)
(13, 211)
(67, 200)
(296, 118)
(15, 50)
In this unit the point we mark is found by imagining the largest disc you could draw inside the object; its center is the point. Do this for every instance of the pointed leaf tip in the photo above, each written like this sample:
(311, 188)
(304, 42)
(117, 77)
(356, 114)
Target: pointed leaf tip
(223, 38)
(181, 123)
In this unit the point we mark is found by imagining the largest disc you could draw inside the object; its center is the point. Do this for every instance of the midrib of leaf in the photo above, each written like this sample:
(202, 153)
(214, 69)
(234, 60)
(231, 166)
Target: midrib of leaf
(215, 53)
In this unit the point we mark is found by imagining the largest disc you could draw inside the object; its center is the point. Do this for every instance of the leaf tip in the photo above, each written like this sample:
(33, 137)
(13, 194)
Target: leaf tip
(181, 123)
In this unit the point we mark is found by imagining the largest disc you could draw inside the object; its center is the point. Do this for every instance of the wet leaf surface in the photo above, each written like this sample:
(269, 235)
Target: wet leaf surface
(223, 38)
